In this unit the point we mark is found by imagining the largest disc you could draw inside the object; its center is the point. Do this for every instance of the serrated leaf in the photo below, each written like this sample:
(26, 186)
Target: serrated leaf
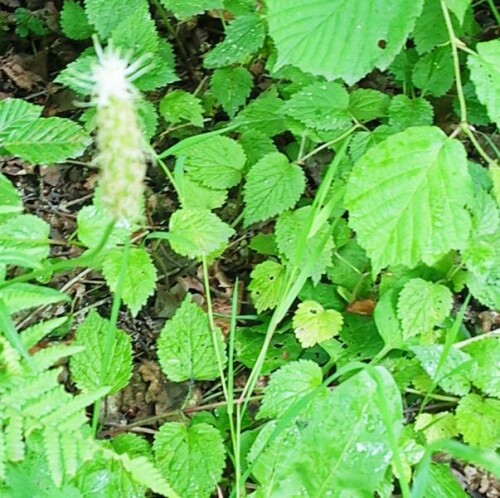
(485, 373)
(405, 112)
(256, 145)
(190, 459)
(70, 75)
(430, 28)
(139, 277)
(14, 113)
(185, 346)
(162, 70)
(348, 266)
(453, 373)
(288, 385)
(34, 334)
(178, 106)
(47, 141)
(19, 297)
(340, 38)
(458, 7)
(406, 198)
(27, 236)
(267, 285)
(313, 324)
(244, 36)
(183, 9)
(136, 35)
(348, 450)
(436, 426)
(74, 22)
(106, 16)
(196, 196)
(433, 72)
(92, 223)
(422, 305)
(289, 231)
(265, 114)
(231, 86)
(87, 367)
(366, 104)
(273, 185)
(322, 106)
(216, 162)
(365, 140)
(197, 232)
(485, 73)
(478, 420)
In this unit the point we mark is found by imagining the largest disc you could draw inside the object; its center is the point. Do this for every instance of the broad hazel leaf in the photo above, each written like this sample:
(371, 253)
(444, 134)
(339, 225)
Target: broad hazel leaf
(185, 346)
(322, 106)
(340, 38)
(191, 459)
(197, 232)
(422, 305)
(478, 420)
(267, 285)
(341, 444)
(289, 384)
(485, 73)
(313, 324)
(273, 185)
(87, 367)
(406, 198)
(405, 112)
(139, 280)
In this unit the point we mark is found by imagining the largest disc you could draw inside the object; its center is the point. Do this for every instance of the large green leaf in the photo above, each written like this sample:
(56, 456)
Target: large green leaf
(273, 186)
(25, 235)
(340, 38)
(185, 347)
(87, 367)
(406, 198)
(288, 385)
(485, 373)
(244, 36)
(216, 163)
(47, 141)
(74, 22)
(191, 459)
(139, 277)
(341, 444)
(231, 86)
(18, 297)
(485, 73)
(267, 284)
(197, 232)
(188, 8)
(106, 16)
(15, 113)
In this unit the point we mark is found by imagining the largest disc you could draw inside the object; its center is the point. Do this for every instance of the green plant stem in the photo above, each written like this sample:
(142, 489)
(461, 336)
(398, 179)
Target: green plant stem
(331, 142)
(468, 131)
(437, 397)
(456, 62)
(477, 338)
(494, 11)
(111, 330)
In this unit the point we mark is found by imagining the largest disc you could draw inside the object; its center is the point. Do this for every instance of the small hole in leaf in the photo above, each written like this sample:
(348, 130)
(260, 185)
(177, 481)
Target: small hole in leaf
(313, 311)
(271, 277)
(382, 43)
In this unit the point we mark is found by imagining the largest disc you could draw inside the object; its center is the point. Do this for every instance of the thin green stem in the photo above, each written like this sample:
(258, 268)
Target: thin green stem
(468, 131)
(482, 337)
(324, 146)
(494, 11)
(110, 339)
(438, 397)
(456, 62)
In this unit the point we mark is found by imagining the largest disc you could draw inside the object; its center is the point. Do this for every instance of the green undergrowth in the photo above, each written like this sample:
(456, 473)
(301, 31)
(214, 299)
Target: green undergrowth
(349, 149)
